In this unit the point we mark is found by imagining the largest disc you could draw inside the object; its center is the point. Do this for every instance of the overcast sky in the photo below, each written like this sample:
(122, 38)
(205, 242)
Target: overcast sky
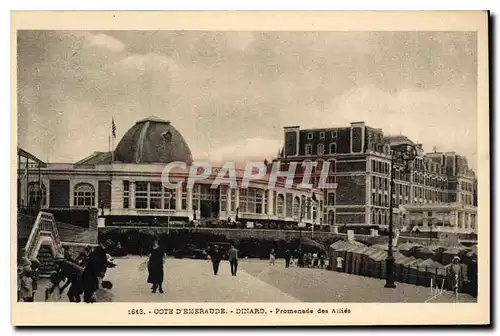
(231, 93)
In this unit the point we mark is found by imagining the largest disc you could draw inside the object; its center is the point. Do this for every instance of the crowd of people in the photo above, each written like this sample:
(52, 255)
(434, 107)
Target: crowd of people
(83, 276)
(299, 258)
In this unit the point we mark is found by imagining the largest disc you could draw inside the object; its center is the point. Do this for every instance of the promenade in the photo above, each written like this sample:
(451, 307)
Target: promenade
(193, 281)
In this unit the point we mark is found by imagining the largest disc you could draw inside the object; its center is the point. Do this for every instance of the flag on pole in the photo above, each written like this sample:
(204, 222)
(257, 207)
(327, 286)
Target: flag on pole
(113, 127)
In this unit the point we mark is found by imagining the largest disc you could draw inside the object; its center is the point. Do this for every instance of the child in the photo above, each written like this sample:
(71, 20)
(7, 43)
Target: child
(35, 275)
(53, 291)
(26, 285)
(104, 294)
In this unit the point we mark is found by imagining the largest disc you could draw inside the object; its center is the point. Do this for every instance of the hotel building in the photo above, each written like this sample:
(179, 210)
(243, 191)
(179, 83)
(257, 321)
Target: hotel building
(438, 194)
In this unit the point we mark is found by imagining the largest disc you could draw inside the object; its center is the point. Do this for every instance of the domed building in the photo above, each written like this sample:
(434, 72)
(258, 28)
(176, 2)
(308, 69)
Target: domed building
(126, 186)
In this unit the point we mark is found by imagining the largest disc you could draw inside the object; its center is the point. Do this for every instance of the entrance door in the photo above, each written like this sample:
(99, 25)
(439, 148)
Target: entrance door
(209, 202)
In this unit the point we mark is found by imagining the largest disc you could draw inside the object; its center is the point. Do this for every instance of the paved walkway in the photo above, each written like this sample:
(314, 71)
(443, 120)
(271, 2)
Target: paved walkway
(193, 281)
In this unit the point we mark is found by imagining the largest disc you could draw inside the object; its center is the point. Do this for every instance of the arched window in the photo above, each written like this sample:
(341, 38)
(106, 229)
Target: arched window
(37, 194)
(280, 203)
(380, 218)
(374, 217)
(296, 207)
(333, 148)
(84, 195)
(275, 202)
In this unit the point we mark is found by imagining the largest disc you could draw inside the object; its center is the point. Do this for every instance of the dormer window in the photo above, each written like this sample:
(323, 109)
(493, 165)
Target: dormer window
(166, 136)
(310, 136)
(308, 149)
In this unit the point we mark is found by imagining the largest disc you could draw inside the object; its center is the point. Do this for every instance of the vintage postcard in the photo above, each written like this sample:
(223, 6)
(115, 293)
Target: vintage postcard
(250, 168)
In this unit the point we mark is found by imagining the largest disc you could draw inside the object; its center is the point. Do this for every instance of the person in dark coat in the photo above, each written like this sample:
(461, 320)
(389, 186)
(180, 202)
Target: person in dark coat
(215, 257)
(155, 268)
(94, 271)
(288, 256)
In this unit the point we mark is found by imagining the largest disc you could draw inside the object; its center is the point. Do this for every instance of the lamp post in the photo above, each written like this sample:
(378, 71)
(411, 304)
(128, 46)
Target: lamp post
(403, 154)
(169, 196)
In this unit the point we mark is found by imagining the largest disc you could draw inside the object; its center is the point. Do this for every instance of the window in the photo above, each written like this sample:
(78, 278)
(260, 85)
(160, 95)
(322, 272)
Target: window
(141, 195)
(84, 195)
(334, 134)
(223, 197)
(126, 194)
(280, 203)
(169, 199)
(321, 135)
(308, 149)
(331, 199)
(251, 200)
(308, 209)
(37, 194)
(275, 202)
(296, 208)
(310, 136)
(233, 199)
(155, 196)
(184, 196)
(333, 148)
(289, 205)
(321, 149)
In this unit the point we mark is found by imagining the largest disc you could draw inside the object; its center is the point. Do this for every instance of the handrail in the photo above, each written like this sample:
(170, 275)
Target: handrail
(44, 223)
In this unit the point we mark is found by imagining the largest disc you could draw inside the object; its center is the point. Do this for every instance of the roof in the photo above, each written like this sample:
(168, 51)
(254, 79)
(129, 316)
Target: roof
(152, 140)
(25, 154)
(96, 158)
(397, 139)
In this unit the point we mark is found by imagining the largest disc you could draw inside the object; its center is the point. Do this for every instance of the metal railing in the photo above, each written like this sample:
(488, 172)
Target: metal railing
(44, 225)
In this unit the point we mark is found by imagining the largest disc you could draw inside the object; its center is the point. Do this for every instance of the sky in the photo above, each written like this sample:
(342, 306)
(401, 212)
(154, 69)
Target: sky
(231, 93)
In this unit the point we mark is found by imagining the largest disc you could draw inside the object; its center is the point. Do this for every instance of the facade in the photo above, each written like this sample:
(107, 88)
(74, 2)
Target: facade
(126, 186)
(437, 194)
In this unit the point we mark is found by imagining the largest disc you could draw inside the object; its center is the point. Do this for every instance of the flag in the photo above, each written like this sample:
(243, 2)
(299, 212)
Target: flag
(113, 127)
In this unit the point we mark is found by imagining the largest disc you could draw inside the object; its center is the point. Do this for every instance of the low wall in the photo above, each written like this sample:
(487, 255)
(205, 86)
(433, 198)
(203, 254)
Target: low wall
(237, 234)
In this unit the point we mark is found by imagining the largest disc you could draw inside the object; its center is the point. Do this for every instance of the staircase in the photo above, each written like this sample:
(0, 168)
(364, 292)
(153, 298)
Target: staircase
(46, 259)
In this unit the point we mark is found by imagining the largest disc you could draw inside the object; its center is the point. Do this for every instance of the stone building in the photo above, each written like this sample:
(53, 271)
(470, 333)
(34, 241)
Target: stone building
(437, 194)
(126, 186)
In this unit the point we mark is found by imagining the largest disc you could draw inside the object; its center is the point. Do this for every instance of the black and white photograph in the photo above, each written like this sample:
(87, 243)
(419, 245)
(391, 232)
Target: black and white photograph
(249, 166)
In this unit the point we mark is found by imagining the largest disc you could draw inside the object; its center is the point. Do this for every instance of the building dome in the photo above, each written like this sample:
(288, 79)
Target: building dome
(152, 140)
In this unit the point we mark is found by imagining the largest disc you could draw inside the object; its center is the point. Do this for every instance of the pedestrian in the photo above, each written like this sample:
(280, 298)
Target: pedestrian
(53, 291)
(233, 259)
(72, 273)
(26, 285)
(94, 272)
(288, 257)
(215, 258)
(456, 274)
(300, 260)
(35, 275)
(314, 260)
(340, 264)
(155, 268)
(321, 260)
(84, 256)
(272, 257)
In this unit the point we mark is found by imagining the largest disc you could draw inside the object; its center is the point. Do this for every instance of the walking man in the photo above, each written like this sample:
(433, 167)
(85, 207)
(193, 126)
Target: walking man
(288, 256)
(233, 259)
(215, 257)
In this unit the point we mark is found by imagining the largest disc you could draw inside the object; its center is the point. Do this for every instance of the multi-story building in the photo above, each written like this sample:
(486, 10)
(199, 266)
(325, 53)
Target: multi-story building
(127, 185)
(436, 194)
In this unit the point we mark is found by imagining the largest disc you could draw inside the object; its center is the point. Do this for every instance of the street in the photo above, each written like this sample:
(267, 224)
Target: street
(189, 280)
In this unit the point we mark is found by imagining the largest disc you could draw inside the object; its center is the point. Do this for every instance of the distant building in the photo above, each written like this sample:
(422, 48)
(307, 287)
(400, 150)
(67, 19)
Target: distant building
(438, 194)
(127, 185)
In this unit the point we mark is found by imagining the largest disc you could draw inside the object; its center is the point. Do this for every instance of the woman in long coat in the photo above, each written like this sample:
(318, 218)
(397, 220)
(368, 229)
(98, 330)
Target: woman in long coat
(155, 268)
